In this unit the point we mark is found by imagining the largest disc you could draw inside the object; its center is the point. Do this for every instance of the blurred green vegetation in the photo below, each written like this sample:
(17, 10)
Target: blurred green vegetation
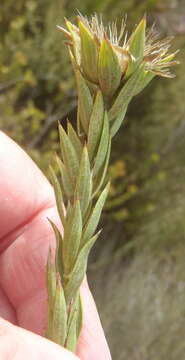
(143, 247)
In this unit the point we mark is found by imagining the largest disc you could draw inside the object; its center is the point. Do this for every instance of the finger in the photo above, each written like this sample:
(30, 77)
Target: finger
(22, 264)
(16, 343)
(6, 310)
(24, 282)
(23, 271)
(92, 339)
(24, 190)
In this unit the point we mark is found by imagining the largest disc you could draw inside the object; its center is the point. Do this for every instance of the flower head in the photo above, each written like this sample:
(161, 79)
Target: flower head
(106, 57)
(100, 52)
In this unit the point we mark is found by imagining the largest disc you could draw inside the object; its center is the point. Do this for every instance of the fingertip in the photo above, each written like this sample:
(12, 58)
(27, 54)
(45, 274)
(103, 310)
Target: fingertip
(22, 344)
(92, 340)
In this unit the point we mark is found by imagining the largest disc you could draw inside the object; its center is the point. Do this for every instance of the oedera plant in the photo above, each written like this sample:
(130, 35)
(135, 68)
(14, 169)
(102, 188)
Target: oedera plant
(110, 70)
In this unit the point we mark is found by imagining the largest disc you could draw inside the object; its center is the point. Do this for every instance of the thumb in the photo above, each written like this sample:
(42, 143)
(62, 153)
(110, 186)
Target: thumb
(19, 344)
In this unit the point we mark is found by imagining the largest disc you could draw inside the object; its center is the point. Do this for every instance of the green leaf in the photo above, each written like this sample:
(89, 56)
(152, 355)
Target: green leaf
(118, 121)
(103, 145)
(73, 308)
(89, 53)
(136, 45)
(59, 316)
(51, 282)
(95, 216)
(58, 194)
(147, 77)
(73, 63)
(85, 103)
(79, 320)
(51, 278)
(69, 156)
(100, 177)
(84, 182)
(95, 125)
(75, 140)
(66, 185)
(59, 251)
(72, 236)
(76, 276)
(126, 93)
(80, 130)
(76, 41)
(71, 341)
(135, 84)
(74, 323)
(109, 69)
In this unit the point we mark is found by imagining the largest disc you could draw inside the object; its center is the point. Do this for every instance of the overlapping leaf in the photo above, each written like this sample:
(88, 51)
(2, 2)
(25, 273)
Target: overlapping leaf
(74, 323)
(136, 45)
(85, 103)
(59, 322)
(126, 93)
(95, 125)
(109, 69)
(75, 141)
(84, 182)
(79, 270)
(89, 53)
(69, 156)
(93, 220)
(103, 145)
(72, 235)
(66, 184)
(58, 267)
(58, 193)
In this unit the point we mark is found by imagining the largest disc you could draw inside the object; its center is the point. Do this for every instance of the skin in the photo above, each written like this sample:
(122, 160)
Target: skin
(27, 200)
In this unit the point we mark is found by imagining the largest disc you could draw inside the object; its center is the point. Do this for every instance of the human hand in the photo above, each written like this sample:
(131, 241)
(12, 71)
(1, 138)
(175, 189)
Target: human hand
(26, 201)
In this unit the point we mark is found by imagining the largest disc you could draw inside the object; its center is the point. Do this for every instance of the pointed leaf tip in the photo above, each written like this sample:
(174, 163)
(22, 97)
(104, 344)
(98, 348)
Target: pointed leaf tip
(67, 33)
(95, 215)
(136, 45)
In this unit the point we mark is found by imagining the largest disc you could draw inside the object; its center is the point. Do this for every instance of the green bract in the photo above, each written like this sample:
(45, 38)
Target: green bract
(109, 69)
(89, 53)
